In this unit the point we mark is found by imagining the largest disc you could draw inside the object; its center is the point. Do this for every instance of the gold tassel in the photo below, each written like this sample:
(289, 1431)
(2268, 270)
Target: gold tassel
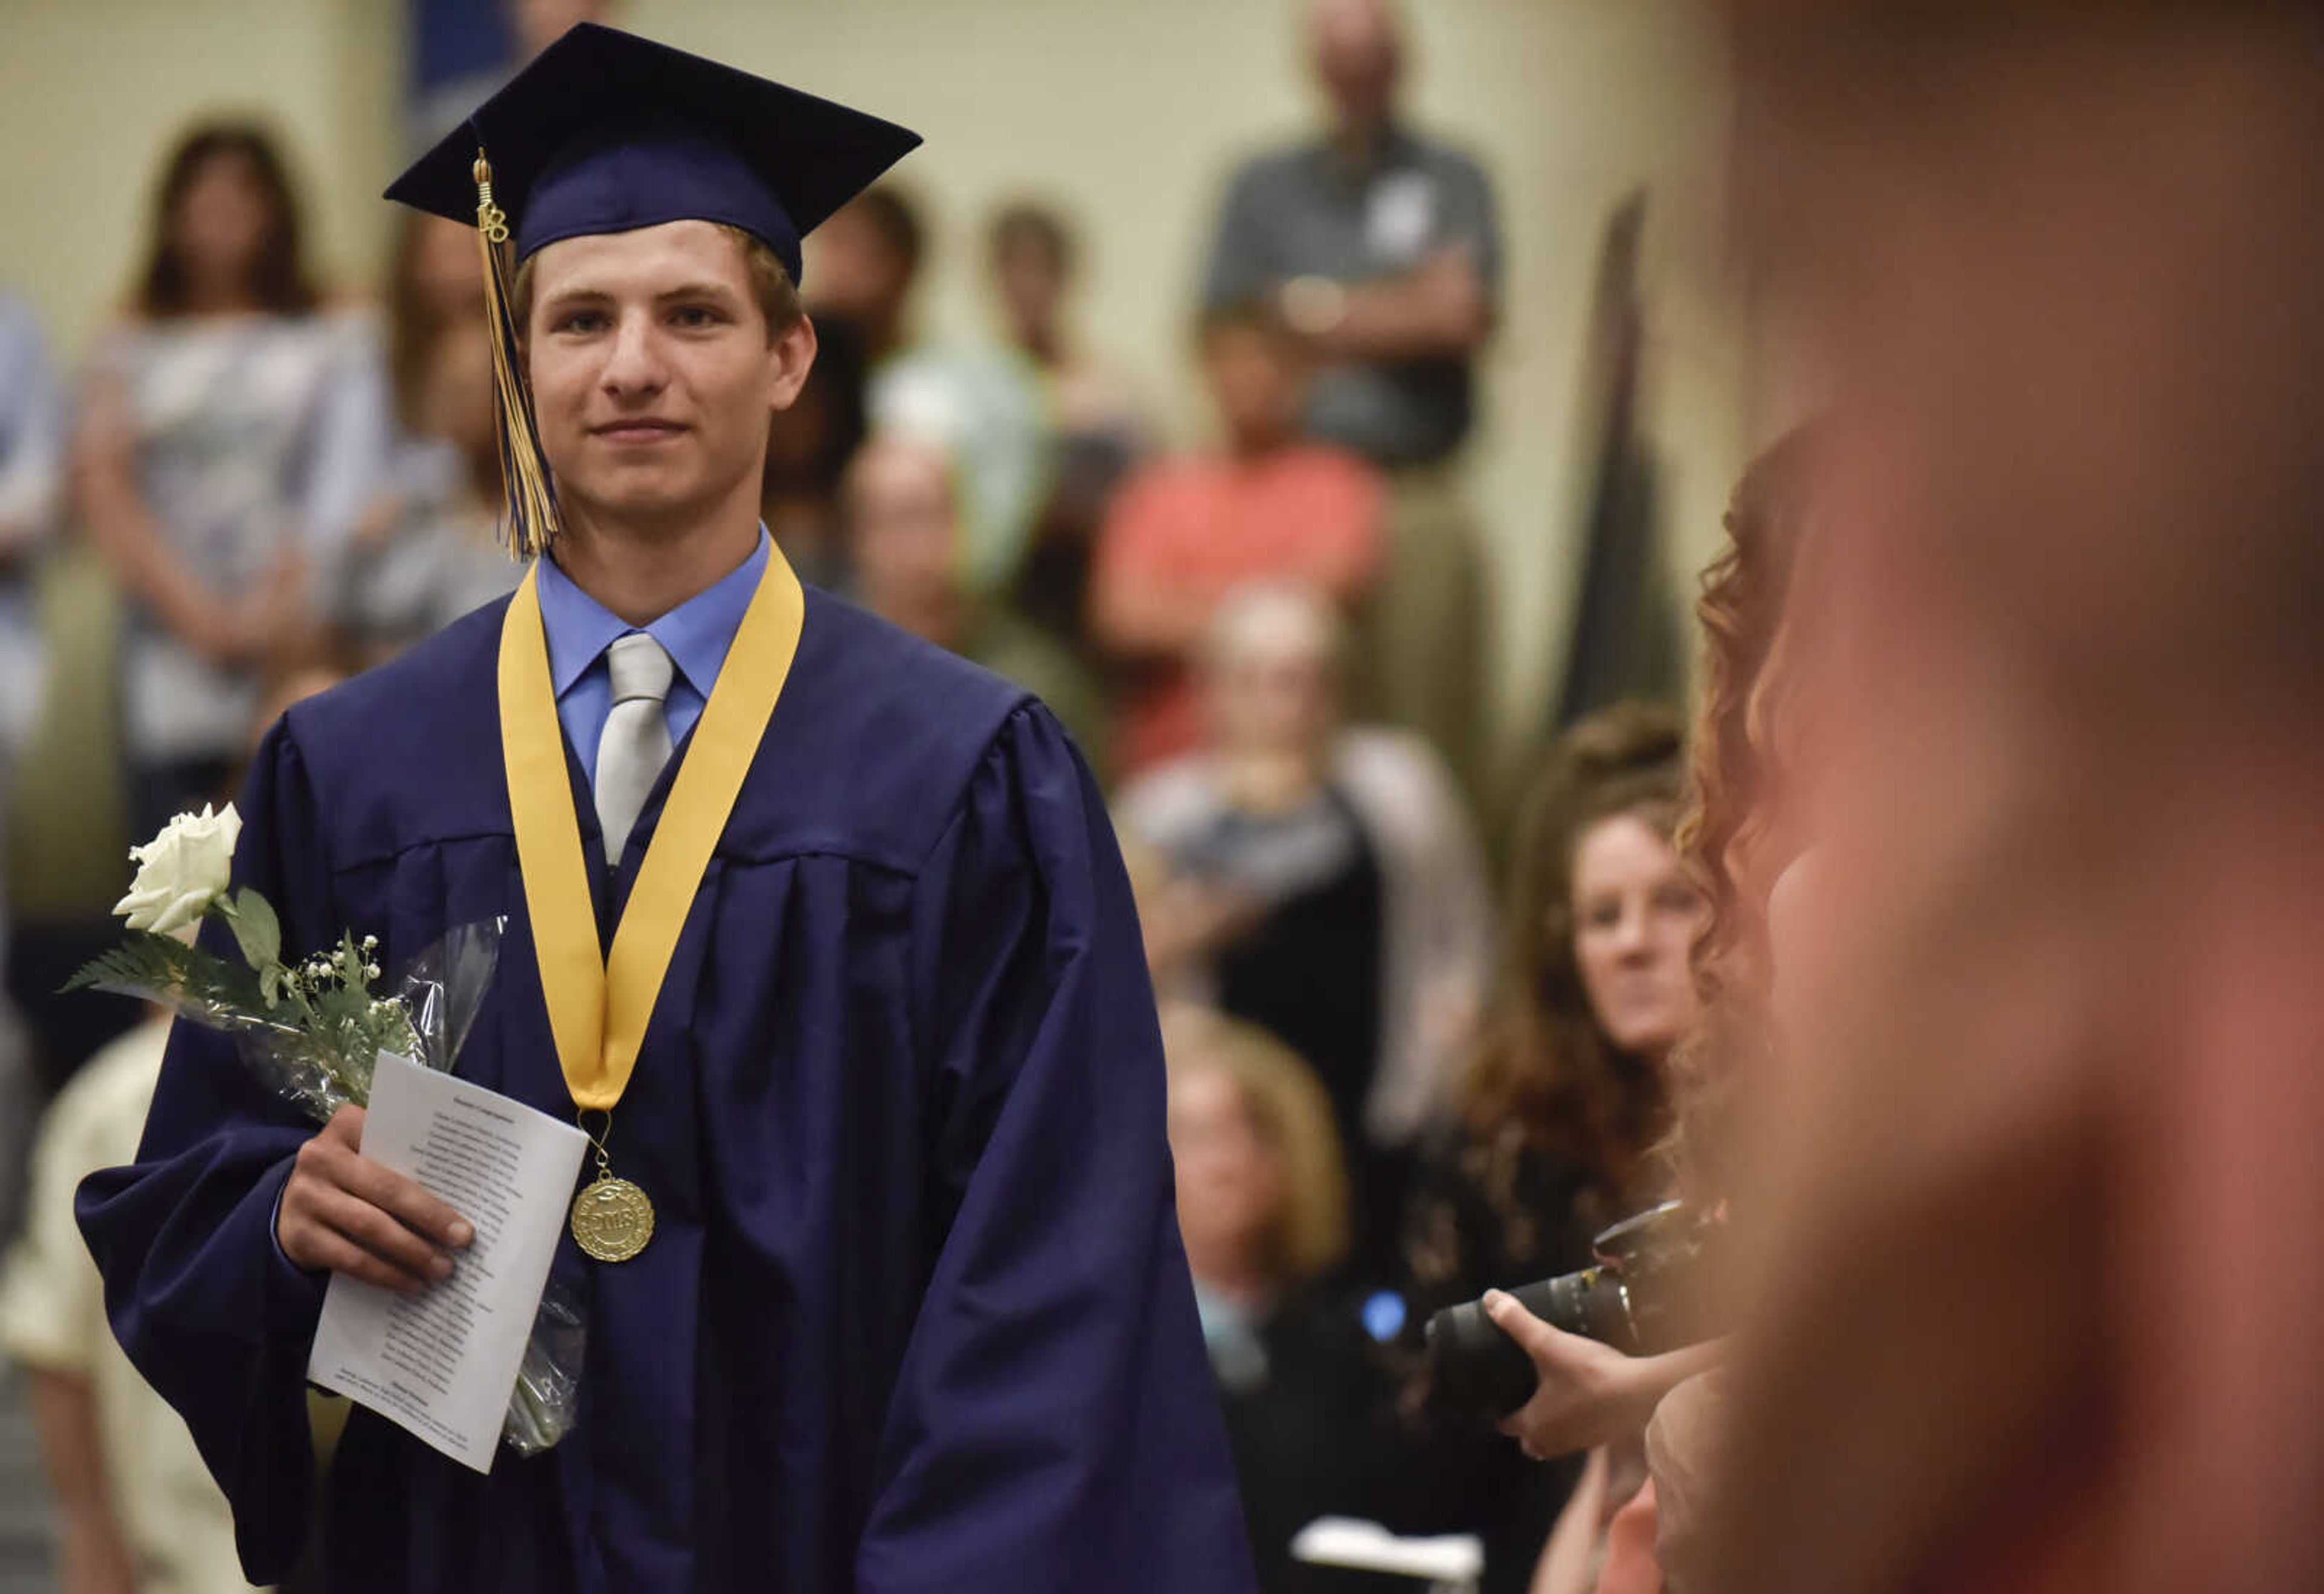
(529, 492)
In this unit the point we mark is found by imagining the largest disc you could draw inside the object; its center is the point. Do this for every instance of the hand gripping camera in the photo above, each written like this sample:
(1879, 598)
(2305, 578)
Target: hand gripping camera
(1630, 1299)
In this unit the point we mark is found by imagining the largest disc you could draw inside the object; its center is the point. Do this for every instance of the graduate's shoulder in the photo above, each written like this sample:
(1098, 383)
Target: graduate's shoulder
(881, 732)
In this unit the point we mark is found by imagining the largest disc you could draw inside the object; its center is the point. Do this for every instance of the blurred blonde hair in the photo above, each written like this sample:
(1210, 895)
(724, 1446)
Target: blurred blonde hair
(1292, 1115)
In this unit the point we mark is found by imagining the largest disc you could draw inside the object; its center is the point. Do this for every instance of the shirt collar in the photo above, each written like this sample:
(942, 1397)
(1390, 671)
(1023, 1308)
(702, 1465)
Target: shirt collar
(1397, 147)
(696, 634)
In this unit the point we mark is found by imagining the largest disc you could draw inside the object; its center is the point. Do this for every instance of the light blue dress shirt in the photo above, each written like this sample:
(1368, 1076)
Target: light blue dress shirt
(696, 635)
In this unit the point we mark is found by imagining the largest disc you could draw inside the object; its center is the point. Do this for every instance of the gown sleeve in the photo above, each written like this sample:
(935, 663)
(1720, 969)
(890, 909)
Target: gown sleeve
(199, 1294)
(1054, 1424)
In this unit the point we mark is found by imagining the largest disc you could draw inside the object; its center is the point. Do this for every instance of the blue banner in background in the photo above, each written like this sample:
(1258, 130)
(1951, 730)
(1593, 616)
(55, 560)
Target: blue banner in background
(453, 40)
(461, 51)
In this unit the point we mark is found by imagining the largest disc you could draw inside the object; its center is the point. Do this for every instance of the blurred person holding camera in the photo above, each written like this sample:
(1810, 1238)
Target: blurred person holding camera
(1635, 1514)
(980, 402)
(1099, 428)
(1323, 881)
(1552, 1134)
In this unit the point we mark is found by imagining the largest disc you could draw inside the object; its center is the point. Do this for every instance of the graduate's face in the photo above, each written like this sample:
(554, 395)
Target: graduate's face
(653, 373)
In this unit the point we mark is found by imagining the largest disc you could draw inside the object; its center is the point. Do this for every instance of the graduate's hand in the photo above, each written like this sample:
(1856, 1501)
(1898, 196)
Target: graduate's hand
(343, 1213)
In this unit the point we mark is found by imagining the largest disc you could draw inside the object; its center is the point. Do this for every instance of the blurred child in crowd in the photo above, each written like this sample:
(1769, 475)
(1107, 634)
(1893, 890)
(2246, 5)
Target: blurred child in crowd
(1183, 532)
(1099, 429)
(979, 403)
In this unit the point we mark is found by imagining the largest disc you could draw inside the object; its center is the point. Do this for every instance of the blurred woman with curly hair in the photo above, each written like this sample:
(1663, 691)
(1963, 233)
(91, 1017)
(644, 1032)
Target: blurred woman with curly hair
(1557, 1121)
(1736, 845)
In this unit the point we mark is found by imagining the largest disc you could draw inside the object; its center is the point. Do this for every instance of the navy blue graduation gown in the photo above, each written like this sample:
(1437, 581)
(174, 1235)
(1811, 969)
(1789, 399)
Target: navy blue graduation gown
(916, 1315)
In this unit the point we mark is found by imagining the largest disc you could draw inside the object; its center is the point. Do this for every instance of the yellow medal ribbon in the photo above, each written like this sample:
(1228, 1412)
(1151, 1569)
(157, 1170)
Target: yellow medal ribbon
(599, 1006)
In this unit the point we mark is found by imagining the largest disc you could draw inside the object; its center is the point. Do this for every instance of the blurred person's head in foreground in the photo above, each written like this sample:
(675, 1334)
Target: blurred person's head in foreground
(1257, 374)
(1356, 48)
(1032, 258)
(904, 539)
(867, 258)
(1262, 1191)
(225, 234)
(1271, 669)
(1595, 990)
(2066, 824)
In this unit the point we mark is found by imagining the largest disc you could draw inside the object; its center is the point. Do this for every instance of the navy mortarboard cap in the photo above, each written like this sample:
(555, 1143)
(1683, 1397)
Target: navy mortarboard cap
(607, 132)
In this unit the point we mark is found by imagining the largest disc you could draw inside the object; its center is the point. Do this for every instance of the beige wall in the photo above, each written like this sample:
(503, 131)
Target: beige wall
(1128, 112)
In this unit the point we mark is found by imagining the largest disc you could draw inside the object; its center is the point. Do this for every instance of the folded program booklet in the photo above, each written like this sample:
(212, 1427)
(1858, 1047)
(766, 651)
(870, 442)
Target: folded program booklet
(442, 1364)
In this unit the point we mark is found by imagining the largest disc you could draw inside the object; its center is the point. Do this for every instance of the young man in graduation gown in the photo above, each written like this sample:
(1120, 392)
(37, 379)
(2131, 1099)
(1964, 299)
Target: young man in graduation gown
(823, 929)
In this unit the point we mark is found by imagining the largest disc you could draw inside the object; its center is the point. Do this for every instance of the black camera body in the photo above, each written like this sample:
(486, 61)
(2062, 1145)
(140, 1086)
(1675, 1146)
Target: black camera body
(1629, 1299)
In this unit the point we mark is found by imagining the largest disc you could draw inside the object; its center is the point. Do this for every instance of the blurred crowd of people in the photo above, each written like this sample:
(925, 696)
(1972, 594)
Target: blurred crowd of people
(1851, 964)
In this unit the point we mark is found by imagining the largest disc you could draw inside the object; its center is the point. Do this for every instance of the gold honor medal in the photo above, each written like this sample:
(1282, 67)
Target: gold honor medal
(613, 1220)
(599, 1004)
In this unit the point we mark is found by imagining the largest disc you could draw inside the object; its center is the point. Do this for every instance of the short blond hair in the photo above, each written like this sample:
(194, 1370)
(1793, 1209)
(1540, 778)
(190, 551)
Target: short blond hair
(1308, 1233)
(771, 286)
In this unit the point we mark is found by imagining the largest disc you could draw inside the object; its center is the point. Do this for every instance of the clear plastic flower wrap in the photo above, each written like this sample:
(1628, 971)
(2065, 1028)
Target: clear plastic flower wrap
(312, 1034)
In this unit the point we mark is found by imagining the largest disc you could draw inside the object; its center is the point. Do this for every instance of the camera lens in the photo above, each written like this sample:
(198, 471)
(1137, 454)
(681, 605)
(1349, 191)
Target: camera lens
(1474, 1369)
(1477, 1369)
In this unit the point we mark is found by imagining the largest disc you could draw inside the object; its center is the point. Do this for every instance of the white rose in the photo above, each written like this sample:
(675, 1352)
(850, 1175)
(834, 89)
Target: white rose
(181, 871)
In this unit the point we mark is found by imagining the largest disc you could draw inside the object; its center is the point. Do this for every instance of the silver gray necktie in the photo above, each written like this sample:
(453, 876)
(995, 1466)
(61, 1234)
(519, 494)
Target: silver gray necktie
(636, 743)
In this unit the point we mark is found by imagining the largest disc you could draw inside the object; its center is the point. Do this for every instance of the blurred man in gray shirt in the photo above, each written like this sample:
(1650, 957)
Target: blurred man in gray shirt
(1377, 244)
(1379, 247)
